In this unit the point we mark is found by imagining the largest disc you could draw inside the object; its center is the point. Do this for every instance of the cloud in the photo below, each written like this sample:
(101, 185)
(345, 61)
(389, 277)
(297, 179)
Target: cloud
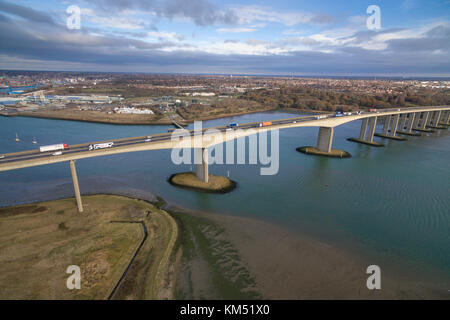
(166, 35)
(25, 13)
(44, 45)
(125, 20)
(235, 30)
(249, 14)
(202, 12)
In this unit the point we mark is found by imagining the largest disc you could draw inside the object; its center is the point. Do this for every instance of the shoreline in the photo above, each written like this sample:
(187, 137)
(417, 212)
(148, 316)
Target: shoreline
(156, 122)
(298, 267)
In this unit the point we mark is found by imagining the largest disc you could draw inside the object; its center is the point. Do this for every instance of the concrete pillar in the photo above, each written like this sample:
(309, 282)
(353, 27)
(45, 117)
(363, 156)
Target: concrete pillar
(403, 121)
(362, 134)
(201, 169)
(447, 117)
(325, 139)
(387, 123)
(425, 120)
(372, 125)
(411, 121)
(431, 118)
(394, 125)
(416, 124)
(437, 119)
(76, 187)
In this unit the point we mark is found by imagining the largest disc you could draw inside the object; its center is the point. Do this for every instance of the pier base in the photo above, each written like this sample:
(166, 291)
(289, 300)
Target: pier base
(424, 130)
(386, 136)
(215, 184)
(439, 127)
(415, 134)
(369, 143)
(367, 132)
(334, 153)
(323, 148)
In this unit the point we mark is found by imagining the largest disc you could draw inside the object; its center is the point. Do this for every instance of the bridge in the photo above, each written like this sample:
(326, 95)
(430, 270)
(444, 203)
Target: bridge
(405, 121)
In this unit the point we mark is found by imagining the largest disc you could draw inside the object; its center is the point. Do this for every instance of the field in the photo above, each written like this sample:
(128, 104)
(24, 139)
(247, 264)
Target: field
(39, 241)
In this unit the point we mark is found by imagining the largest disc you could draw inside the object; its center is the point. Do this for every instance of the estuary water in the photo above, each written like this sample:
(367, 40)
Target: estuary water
(391, 204)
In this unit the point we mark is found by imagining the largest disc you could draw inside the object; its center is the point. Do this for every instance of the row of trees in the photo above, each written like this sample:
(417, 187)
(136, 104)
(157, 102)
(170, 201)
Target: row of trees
(316, 99)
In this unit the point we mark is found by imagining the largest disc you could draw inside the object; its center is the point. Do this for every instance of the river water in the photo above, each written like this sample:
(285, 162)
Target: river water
(391, 204)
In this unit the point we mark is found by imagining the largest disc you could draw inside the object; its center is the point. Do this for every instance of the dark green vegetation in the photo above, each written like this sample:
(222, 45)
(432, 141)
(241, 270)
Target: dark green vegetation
(211, 267)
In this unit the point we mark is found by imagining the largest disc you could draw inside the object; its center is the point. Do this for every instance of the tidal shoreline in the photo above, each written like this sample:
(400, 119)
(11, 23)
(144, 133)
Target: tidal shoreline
(277, 263)
(55, 116)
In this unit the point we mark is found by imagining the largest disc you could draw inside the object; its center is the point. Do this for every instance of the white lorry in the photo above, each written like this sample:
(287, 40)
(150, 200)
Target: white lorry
(54, 147)
(101, 145)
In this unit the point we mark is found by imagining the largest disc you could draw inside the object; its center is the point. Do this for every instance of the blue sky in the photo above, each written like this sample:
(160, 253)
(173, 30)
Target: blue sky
(208, 36)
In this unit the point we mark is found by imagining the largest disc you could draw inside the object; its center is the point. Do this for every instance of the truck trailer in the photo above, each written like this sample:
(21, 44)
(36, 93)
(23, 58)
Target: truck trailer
(54, 147)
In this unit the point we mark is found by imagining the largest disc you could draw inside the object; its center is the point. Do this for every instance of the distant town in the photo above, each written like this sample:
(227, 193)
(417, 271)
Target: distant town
(164, 98)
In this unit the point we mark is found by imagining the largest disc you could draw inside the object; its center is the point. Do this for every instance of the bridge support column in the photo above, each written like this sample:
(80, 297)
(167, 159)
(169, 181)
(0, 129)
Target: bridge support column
(325, 139)
(445, 120)
(403, 117)
(395, 125)
(323, 148)
(387, 124)
(76, 187)
(422, 121)
(372, 126)
(390, 129)
(435, 123)
(201, 169)
(368, 127)
(407, 128)
(362, 134)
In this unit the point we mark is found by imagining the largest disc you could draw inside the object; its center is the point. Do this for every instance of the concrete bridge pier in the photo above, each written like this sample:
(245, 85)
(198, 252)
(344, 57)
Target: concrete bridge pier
(436, 119)
(402, 123)
(410, 121)
(324, 142)
(390, 128)
(445, 118)
(422, 121)
(76, 187)
(362, 133)
(368, 126)
(201, 169)
(387, 124)
(325, 139)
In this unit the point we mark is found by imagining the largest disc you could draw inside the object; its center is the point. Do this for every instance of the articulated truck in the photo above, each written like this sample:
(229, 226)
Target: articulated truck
(101, 145)
(54, 147)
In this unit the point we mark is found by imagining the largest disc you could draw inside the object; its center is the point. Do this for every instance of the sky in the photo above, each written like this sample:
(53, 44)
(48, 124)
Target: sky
(228, 37)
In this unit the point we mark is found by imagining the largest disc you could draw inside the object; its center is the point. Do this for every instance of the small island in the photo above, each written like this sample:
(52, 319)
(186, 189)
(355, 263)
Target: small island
(216, 184)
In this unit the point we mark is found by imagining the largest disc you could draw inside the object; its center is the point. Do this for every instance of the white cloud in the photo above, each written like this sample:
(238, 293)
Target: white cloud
(124, 21)
(235, 30)
(165, 35)
(249, 14)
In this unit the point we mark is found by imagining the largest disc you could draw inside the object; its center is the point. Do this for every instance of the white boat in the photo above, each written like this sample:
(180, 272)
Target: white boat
(17, 137)
(34, 140)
